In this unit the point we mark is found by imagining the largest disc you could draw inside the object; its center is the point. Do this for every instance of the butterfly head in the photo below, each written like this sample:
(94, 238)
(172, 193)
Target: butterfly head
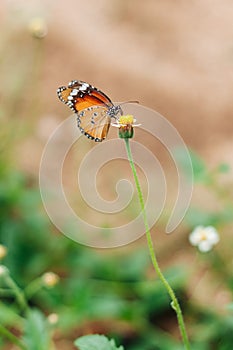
(115, 110)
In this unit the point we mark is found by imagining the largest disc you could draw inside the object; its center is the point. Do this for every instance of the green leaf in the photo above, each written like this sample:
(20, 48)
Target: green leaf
(96, 342)
(224, 168)
(229, 307)
(9, 315)
(200, 171)
(36, 331)
(196, 216)
(199, 168)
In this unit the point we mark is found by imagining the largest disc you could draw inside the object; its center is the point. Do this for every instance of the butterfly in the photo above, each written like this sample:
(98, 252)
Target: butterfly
(94, 109)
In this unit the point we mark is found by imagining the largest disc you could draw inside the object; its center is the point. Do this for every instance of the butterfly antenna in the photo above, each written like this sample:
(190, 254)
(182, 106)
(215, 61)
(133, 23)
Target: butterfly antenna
(122, 103)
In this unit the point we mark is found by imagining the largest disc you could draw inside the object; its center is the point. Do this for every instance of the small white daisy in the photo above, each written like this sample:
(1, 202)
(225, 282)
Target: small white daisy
(204, 238)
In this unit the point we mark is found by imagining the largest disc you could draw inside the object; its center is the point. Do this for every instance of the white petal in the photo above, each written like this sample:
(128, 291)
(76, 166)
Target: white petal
(116, 125)
(196, 235)
(213, 235)
(204, 246)
(193, 239)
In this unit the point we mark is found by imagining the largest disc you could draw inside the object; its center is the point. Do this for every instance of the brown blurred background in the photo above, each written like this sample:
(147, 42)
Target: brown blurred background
(173, 56)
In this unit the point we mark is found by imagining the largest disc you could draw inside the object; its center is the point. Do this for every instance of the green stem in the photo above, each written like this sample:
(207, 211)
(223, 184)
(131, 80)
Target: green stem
(6, 292)
(11, 337)
(175, 304)
(33, 288)
(17, 291)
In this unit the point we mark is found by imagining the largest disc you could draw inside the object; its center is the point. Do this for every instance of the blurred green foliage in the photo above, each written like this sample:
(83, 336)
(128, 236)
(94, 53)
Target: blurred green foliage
(211, 181)
(95, 285)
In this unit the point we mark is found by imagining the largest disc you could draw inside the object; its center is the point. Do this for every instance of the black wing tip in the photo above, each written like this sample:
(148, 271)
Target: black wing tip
(59, 91)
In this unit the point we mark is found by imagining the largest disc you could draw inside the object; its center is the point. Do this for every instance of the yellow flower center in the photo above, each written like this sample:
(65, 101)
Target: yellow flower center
(203, 236)
(126, 119)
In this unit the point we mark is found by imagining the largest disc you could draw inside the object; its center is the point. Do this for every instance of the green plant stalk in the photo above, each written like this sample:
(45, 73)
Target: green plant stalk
(33, 287)
(6, 292)
(175, 304)
(11, 337)
(17, 292)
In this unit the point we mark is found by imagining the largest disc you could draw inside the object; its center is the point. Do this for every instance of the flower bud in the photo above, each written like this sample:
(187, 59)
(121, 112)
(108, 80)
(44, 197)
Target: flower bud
(3, 251)
(50, 279)
(53, 318)
(38, 28)
(126, 131)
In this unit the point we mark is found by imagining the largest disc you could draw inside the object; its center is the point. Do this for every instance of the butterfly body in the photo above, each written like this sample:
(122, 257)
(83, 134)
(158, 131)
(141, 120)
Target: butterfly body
(94, 109)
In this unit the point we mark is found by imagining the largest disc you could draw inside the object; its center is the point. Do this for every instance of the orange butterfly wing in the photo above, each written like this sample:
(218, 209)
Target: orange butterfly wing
(80, 95)
(92, 107)
(94, 122)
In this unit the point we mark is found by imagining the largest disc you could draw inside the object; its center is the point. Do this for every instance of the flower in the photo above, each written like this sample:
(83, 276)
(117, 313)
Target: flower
(50, 279)
(3, 251)
(125, 123)
(204, 238)
(38, 27)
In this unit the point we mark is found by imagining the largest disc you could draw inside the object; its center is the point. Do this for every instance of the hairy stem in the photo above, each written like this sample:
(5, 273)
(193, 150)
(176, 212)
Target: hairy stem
(175, 304)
